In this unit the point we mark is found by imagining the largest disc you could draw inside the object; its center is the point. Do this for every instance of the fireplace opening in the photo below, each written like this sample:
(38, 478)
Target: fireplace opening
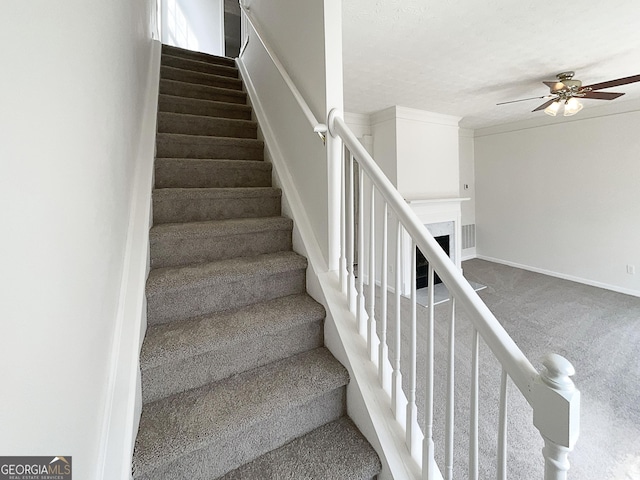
(422, 265)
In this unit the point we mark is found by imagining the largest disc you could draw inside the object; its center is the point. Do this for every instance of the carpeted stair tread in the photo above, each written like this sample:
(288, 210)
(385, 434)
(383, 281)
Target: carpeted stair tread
(203, 57)
(223, 271)
(175, 293)
(169, 122)
(174, 145)
(174, 244)
(336, 450)
(179, 340)
(203, 92)
(243, 406)
(211, 173)
(179, 356)
(198, 66)
(181, 205)
(197, 106)
(202, 78)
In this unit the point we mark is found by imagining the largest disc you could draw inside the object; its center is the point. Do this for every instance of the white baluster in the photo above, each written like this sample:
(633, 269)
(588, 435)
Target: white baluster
(383, 350)
(502, 429)
(473, 427)
(428, 455)
(351, 280)
(450, 394)
(396, 377)
(360, 315)
(343, 221)
(556, 412)
(371, 326)
(413, 435)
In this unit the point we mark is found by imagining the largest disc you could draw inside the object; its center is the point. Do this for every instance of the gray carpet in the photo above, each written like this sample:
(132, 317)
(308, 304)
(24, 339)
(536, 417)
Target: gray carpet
(596, 329)
(234, 373)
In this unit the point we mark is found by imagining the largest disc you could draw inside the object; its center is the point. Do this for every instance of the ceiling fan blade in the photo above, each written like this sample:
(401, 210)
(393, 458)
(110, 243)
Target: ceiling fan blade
(521, 100)
(614, 83)
(555, 86)
(602, 95)
(544, 105)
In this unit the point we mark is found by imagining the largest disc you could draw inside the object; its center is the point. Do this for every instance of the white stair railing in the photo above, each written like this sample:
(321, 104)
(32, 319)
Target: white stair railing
(551, 393)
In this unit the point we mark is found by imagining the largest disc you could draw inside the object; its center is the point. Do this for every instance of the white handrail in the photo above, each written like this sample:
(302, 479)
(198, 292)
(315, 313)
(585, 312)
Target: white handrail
(551, 393)
(319, 128)
(516, 363)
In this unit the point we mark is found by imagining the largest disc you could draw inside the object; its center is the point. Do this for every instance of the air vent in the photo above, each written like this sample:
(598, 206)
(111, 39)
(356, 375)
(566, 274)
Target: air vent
(468, 236)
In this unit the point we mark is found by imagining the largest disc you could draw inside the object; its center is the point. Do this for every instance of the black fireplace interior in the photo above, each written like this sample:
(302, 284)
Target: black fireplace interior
(422, 265)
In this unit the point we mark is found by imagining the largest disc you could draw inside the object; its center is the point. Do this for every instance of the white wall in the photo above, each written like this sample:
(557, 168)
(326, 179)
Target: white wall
(563, 199)
(297, 32)
(194, 24)
(72, 96)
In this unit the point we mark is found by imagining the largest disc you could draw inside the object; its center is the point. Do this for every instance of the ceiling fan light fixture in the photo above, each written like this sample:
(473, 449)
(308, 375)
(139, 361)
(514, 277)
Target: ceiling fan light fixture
(552, 109)
(572, 106)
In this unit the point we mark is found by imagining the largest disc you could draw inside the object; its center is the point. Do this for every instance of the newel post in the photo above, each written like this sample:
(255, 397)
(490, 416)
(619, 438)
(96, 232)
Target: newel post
(334, 162)
(556, 414)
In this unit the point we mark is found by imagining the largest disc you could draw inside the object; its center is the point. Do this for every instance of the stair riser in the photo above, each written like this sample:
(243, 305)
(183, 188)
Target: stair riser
(175, 210)
(213, 366)
(193, 106)
(191, 301)
(212, 148)
(171, 251)
(278, 429)
(203, 57)
(171, 73)
(191, 174)
(202, 92)
(195, 125)
(199, 66)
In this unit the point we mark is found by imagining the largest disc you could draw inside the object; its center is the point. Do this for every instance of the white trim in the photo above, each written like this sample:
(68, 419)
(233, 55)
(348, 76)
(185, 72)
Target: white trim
(466, 132)
(592, 283)
(545, 120)
(122, 406)
(469, 256)
(360, 119)
(223, 43)
(406, 113)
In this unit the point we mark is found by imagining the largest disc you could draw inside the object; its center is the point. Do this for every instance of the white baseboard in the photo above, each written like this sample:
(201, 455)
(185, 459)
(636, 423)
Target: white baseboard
(592, 283)
(123, 401)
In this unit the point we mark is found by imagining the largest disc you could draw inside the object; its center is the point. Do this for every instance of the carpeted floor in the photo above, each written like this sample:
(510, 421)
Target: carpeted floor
(597, 330)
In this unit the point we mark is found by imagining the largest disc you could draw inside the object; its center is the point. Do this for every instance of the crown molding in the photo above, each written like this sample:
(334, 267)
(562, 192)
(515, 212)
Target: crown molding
(545, 120)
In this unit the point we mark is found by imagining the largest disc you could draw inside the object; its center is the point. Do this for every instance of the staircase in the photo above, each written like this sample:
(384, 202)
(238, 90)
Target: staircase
(236, 382)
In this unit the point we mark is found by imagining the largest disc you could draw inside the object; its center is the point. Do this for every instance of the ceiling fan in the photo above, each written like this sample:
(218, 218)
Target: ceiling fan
(566, 91)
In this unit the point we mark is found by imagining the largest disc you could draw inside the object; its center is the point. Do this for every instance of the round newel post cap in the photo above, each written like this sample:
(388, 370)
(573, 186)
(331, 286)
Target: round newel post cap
(558, 372)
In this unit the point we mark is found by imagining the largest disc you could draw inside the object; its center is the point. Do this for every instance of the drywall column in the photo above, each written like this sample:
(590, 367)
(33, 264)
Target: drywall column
(73, 99)
(306, 37)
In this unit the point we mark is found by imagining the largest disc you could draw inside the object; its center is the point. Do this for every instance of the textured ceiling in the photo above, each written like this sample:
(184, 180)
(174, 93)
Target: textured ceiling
(461, 58)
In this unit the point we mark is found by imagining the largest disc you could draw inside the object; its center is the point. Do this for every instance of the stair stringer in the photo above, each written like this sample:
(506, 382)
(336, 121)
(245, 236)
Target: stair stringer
(365, 398)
